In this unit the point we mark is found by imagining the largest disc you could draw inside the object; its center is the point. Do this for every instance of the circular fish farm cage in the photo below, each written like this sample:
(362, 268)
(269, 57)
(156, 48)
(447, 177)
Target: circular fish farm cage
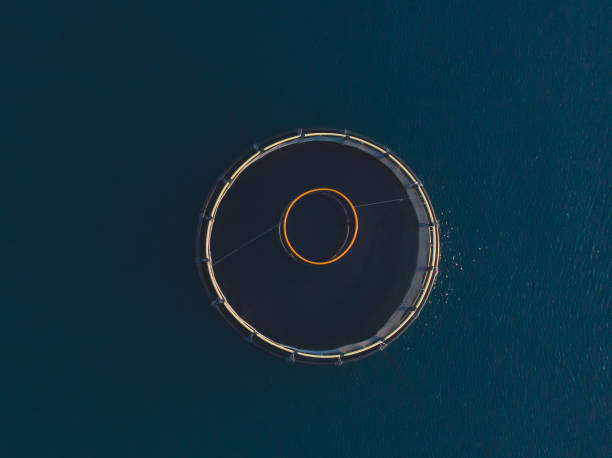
(318, 246)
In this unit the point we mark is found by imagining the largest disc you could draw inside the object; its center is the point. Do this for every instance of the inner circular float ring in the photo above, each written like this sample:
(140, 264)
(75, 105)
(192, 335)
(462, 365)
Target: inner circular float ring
(298, 255)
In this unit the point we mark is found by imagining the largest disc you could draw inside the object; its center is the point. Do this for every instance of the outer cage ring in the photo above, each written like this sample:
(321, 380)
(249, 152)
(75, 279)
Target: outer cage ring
(343, 354)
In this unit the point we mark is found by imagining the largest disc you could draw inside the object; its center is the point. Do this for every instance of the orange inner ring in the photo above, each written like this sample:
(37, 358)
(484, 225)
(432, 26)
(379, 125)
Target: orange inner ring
(299, 256)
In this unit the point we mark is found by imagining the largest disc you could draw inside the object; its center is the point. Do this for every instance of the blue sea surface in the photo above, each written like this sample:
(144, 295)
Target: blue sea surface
(119, 118)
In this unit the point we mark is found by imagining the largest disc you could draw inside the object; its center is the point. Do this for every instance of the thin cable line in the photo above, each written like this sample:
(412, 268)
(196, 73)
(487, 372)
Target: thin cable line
(244, 245)
(381, 202)
(224, 257)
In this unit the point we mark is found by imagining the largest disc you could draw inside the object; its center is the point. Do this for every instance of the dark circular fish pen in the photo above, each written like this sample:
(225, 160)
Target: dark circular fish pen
(319, 246)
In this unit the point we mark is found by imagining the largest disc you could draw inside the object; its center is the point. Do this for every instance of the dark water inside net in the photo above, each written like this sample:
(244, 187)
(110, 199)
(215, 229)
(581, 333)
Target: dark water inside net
(316, 307)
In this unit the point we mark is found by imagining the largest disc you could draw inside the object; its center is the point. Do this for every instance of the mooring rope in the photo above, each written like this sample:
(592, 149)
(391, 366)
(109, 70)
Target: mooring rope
(244, 245)
(381, 202)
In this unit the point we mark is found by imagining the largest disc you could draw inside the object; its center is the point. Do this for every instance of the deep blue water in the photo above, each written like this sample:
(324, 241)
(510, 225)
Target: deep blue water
(117, 120)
